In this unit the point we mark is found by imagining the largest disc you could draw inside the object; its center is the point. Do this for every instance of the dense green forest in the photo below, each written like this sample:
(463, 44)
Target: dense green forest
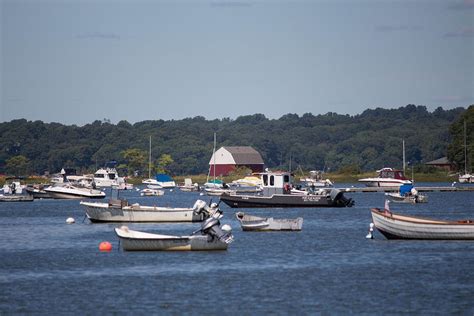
(364, 142)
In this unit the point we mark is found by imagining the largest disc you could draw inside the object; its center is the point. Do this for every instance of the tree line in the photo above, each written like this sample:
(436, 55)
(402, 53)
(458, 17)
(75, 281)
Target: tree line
(330, 142)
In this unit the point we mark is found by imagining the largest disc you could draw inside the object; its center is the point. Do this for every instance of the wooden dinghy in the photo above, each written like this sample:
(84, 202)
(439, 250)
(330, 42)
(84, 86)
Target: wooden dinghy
(255, 223)
(395, 226)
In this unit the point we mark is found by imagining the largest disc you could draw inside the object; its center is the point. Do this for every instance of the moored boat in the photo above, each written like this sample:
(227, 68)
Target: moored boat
(387, 177)
(407, 194)
(211, 236)
(69, 191)
(120, 211)
(396, 226)
(277, 192)
(15, 198)
(255, 223)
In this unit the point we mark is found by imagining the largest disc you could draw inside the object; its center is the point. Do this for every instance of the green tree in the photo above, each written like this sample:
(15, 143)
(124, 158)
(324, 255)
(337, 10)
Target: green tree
(18, 165)
(136, 160)
(163, 162)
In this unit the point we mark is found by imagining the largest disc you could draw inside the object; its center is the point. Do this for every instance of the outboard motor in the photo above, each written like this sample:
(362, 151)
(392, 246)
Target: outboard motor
(339, 199)
(211, 227)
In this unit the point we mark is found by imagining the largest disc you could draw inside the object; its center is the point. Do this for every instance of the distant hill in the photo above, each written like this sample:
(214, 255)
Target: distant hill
(331, 141)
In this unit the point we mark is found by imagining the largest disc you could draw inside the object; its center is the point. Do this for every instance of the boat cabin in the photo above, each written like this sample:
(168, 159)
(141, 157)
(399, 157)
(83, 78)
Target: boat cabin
(391, 173)
(276, 183)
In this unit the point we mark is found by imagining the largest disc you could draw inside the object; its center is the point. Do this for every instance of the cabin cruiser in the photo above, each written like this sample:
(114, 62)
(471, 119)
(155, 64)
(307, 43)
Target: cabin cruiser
(70, 191)
(277, 192)
(466, 178)
(387, 177)
(107, 177)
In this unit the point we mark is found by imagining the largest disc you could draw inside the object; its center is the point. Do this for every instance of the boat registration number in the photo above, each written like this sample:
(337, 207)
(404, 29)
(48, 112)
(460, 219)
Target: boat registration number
(311, 198)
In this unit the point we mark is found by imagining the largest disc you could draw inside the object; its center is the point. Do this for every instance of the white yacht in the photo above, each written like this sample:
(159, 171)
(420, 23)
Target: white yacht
(107, 177)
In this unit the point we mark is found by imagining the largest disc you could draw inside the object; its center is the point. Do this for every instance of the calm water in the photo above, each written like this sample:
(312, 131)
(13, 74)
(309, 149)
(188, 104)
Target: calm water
(47, 266)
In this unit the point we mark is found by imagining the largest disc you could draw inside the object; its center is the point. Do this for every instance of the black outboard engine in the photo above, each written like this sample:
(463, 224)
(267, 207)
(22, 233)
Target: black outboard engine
(212, 228)
(340, 200)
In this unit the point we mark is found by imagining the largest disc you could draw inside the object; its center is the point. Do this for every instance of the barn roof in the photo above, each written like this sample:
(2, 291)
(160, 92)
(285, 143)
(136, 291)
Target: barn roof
(440, 161)
(244, 155)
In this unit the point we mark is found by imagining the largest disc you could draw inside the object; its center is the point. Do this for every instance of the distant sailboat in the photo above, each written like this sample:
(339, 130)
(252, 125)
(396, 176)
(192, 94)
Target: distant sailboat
(466, 177)
(150, 182)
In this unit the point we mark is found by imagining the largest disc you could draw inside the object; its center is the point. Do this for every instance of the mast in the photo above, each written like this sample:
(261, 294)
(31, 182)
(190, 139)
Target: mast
(149, 161)
(403, 145)
(214, 157)
(465, 149)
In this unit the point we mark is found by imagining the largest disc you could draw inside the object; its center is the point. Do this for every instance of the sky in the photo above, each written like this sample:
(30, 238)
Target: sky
(77, 61)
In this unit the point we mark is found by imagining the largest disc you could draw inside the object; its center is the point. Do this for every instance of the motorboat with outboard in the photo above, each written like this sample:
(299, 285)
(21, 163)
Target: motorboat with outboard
(119, 210)
(277, 192)
(211, 236)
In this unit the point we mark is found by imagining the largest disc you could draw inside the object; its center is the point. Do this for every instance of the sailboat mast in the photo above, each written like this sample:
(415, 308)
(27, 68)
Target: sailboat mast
(149, 160)
(214, 155)
(403, 145)
(465, 149)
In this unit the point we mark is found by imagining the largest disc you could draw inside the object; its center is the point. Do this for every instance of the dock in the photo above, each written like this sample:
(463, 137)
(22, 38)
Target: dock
(419, 189)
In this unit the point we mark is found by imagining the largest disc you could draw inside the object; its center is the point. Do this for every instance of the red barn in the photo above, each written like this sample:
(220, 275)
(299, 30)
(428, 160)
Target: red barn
(226, 159)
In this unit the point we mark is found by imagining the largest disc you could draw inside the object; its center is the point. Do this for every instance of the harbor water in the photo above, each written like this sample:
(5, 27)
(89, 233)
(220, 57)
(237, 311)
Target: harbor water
(50, 267)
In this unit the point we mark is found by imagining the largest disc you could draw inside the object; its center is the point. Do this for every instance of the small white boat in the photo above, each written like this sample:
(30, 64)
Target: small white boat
(315, 179)
(211, 237)
(387, 177)
(151, 192)
(255, 223)
(466, 178)
(410, 198)
(395, 226)
(121, 211)
(69, 191)
(15, 198)
(188, 186)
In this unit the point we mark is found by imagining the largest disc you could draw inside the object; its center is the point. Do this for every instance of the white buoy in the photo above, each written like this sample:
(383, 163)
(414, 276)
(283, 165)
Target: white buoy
(70, 220)
(171, 190)
(226, 228)
(371, 229)
(201, 193)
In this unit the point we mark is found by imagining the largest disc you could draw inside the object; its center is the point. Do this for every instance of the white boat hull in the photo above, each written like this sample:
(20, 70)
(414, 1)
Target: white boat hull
(396, 197)
(74, 193)
(380, 182)
(406, 227)
(103, 212)
(255, 223)
(140, 241)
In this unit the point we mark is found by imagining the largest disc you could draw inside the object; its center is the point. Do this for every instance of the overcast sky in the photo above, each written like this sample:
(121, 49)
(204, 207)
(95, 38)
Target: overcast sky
(76, 61)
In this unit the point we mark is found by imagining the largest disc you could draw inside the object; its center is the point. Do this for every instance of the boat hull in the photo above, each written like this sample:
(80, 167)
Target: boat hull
(397, 198)
(102, 212)
(138, 241)
(406, 227)
(255, 223)
(335, 199)
(16, 198)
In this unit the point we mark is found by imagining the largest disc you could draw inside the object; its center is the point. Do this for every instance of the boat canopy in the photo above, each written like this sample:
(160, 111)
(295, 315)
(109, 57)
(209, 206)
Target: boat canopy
(405, 189)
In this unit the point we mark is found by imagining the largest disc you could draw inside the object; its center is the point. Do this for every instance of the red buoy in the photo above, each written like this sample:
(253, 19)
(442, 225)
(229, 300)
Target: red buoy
(105, 246)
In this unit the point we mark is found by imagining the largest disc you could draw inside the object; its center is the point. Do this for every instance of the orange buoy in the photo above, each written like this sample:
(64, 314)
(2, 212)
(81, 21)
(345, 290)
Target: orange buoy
(105, 246)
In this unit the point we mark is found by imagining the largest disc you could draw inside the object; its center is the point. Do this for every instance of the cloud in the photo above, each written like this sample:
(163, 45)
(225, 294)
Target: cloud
(466, 32)
(99, 35)
(397, 28)
(462, 5)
